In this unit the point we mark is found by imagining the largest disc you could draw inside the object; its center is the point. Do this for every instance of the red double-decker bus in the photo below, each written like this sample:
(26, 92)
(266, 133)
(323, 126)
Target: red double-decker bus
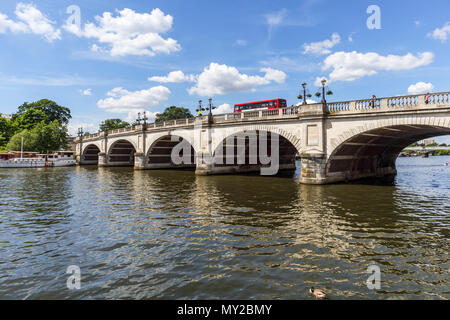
(258, 105)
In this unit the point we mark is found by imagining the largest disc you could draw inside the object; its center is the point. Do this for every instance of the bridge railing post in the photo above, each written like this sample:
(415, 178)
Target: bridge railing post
(384, 104)
(421, 99)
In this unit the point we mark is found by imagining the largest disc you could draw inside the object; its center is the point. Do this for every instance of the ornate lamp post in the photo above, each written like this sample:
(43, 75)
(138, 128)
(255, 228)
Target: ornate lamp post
(80, 135)
(304, 93)
(211, 108)
(145, 119)
(329, 92)
(138, 120)
(200, 108)
(324, 81)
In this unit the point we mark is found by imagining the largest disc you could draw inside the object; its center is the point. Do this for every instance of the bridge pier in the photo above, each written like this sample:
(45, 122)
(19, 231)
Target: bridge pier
(102, 159)
(139, 161)
(314, 167)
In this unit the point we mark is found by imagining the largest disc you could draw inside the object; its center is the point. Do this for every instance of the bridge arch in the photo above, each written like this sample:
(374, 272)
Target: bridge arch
(293, 139)
(121, 153)
(372, 150)
(239, 148)
(90, 153)
(170, 151)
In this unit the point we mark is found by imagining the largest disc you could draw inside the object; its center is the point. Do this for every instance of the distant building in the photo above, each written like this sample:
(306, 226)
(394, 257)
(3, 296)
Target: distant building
(428, 142)
(6, 116)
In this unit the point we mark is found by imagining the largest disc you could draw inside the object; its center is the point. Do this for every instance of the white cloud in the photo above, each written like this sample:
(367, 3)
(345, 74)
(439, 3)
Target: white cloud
(318, 82)
(222, 79)
(224, 108)
(129, 33)
(73, 127)
(32, 21)
(55, 80)
(174, 77)
(286, 63)
(420, 87)
(441, 33)
(121, 100)
(240, 43)
(87, 92)
(309, 101)
(133, 115)
(276, 18)
(350, 66)
(350, 37)
(322, 47)
(274, 75)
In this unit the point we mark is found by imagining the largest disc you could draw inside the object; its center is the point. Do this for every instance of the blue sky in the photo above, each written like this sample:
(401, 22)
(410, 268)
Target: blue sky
(235, 51)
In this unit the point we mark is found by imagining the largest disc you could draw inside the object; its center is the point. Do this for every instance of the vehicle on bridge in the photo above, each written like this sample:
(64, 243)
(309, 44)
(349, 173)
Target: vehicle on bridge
(260, 105)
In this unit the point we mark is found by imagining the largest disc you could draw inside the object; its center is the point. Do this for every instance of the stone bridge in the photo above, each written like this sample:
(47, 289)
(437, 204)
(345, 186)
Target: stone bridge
(336, 142)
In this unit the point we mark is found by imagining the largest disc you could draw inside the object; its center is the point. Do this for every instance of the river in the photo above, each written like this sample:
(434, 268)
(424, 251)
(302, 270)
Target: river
(174, 235)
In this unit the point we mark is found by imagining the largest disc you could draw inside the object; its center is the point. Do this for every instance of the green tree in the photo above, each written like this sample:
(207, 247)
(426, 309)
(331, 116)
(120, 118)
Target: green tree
(7, 129)
(29, 141)
(30, 118)
(50, 137)
(112, 124)
(3, 141)
(173, 113)
(42, 138)
(52, 110)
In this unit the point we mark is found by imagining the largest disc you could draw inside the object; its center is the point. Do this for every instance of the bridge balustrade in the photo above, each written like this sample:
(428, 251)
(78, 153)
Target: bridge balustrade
(378, 104)
(339, 106)
(440, 98)
(402, 101)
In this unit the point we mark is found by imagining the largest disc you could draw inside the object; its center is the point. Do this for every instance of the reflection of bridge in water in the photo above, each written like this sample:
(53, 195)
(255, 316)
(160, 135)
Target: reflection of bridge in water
(337, 141)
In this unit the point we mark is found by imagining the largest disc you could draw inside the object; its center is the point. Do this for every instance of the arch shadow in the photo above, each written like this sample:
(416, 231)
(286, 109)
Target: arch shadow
(170, 152)
(249, 151)
(373, 153)
(121, 153)
(90, 155)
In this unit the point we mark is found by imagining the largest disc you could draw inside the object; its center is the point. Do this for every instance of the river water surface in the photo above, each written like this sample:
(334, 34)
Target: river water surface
(174, 235)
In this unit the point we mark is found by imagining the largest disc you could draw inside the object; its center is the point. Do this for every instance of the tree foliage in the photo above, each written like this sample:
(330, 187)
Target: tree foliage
(42, 138)
(52, 110)
(112, 124)
(30, 118)
(7, 130)
(173, 113)
(42, 124)
(16, 141)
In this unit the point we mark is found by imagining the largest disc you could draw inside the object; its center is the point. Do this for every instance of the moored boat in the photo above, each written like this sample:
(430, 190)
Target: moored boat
(35, 160)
